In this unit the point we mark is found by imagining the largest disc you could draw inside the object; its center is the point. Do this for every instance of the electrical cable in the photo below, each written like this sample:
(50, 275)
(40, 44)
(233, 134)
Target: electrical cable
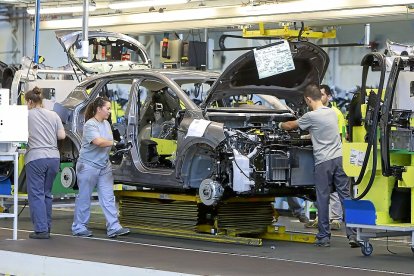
(386, 231)
(24, 206)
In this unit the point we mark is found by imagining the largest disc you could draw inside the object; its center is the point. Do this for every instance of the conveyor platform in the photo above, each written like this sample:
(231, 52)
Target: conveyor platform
(241, 220)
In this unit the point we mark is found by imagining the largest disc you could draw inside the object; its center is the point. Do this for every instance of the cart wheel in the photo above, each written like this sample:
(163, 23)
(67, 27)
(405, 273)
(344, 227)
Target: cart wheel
(366, 249)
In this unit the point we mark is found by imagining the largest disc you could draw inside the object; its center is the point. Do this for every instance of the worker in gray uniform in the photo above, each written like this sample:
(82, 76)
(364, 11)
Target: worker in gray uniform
(42, 162)
(335, 208)
(322, 124)
(94, 170)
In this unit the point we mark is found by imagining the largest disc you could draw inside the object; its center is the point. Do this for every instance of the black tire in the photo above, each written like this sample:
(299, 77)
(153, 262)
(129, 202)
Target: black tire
(367, 249)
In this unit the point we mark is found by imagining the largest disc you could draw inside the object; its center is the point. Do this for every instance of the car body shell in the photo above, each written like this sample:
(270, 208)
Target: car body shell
(244, 132)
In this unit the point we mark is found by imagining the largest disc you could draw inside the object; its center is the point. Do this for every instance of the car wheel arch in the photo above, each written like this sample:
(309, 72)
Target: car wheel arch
(195, 163)
(69, 147)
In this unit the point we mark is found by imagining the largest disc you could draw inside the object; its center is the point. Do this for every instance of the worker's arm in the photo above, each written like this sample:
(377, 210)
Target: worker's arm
(289, 125)
(61, 134)
(102, 142)
(60, 130)
(92, 135)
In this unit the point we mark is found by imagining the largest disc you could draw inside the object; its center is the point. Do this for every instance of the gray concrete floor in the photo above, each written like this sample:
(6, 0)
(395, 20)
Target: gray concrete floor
(208, 258)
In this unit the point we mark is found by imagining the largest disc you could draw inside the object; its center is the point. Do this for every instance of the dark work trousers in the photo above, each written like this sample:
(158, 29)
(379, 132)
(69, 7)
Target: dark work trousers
(330, 174)
(295, 206)
(40, 175)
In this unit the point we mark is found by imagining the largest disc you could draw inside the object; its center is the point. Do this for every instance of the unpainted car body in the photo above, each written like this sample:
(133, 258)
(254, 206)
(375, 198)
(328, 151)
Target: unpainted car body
(108, 52)
(225, 145)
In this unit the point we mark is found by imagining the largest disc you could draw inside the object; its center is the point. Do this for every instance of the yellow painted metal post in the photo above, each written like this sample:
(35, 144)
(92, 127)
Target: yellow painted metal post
(262, 28)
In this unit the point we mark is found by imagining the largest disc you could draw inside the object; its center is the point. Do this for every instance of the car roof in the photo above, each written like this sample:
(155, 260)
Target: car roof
(171, 74)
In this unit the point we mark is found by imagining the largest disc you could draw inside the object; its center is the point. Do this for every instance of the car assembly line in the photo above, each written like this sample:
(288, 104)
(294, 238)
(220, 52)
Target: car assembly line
(205, 137)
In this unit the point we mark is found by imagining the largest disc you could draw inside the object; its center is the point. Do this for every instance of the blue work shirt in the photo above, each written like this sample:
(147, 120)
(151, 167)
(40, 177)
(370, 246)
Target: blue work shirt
(91, 154)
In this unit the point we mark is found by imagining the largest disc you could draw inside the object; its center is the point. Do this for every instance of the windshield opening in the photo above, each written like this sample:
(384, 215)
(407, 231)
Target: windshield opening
(105, 49)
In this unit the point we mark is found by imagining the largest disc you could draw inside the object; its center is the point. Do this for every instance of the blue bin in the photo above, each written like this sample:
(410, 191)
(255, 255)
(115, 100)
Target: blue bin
(359, 212)
(5, 187)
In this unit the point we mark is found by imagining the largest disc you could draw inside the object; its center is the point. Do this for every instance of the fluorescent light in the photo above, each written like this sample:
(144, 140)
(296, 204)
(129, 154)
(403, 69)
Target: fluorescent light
(63, 9)
(144, 3)
(301, 6)
(230, 16)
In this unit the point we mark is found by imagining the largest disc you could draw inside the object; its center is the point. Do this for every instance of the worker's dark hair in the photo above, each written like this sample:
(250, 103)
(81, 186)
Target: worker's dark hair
(312, 91)
(327, 89)
(35, 95)
(93, 107)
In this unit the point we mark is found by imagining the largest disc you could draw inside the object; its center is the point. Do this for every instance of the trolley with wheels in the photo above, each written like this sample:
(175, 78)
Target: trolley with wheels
(365, 232)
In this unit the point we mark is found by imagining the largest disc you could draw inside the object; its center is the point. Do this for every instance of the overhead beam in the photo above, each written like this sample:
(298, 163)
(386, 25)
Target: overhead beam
(321, 18)
(226, 16)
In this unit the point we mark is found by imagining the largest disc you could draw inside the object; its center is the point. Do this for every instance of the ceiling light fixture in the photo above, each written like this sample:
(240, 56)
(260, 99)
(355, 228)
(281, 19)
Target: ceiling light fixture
(60, 10)
(312, 6)
(144, 4)
(225, 16)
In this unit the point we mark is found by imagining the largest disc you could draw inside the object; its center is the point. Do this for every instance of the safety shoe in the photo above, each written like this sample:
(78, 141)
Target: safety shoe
(324, 242)
(119, 232)
(353, 241)
(335, 224)
(302, 218)
(84, 233)
(312, 224)
(39, 235)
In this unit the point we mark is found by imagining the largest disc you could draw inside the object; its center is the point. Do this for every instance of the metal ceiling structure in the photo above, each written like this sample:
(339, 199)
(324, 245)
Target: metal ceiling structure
(214, 14)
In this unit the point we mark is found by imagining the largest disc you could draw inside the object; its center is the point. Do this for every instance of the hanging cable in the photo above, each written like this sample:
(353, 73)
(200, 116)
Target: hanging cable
(371, 60)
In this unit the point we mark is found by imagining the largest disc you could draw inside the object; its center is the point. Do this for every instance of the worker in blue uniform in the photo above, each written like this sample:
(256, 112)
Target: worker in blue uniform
(94, 170)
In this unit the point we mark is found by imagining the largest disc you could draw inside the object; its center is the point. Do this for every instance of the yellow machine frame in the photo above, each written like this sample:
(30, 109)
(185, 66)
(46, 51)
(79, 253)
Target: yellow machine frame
(287, 33)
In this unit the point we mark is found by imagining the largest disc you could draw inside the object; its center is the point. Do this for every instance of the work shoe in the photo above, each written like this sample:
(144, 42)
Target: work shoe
(39, 235)
(312, 224)
(119, 232)
(324, 242)
(353, 241)
(302, 218)
(335, 224)
(84, 233)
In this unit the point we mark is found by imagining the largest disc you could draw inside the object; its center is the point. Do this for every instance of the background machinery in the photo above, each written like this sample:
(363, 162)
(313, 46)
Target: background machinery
(380, 153)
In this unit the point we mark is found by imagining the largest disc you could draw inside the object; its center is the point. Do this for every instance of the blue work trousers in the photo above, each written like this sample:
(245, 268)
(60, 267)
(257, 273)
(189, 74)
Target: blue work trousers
(90, 177)
(327, 175)
(40, 175)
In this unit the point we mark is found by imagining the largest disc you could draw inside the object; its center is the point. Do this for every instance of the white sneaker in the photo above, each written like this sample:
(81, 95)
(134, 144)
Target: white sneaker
(335, 224)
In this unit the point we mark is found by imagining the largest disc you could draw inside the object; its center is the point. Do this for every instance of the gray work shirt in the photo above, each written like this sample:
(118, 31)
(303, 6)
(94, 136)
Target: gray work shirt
(91, 154)
(43, 129)
(322, 124)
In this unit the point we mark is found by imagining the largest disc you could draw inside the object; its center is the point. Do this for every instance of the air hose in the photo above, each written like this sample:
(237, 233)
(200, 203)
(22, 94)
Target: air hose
(369, 60)
(385, 126)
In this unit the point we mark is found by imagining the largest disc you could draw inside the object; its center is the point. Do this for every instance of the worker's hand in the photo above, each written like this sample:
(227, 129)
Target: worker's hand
(306, 136)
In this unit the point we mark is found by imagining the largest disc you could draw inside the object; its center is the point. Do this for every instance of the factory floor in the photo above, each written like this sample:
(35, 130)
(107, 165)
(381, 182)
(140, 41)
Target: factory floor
(138, 254)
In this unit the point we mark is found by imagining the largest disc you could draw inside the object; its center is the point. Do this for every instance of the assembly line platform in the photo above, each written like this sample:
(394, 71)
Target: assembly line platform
(139, 254)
